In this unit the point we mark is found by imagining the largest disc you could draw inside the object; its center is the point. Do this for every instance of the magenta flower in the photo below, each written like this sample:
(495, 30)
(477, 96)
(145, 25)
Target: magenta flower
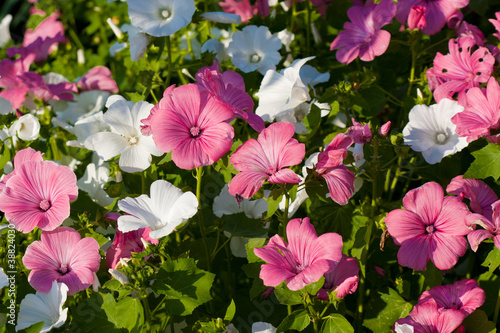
(416, 18)
(430, 227)
(464, 295)
(125, 243)
(339, 179)
(496, 24)
(242, 8)
(41, 41)
(362, 36)
(459, 70)
(264, 159)
(98, 78)
(469, 30)
(343, 279)
(28, 154)
(481, 196)
(10, 79)
(437, 12)
(192, 124)
(63, 256)
(303, 260)
(491, 227)
(426, 318)
(229, 88)
(481, 113)
(38, 194)
(359, 133)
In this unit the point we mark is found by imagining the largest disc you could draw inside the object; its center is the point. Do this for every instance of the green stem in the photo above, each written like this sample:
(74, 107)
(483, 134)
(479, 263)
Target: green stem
(497, 309)
(169, 51)
(147, 314)
(199, 174)
(285, 212)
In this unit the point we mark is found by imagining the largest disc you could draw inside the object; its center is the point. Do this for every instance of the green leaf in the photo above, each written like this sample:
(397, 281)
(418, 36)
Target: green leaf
(35, 328)
(433, 276)
(297, 320)
(231, 310)
(286, 296)
(240, 225)
(90, 316)
(492, 261)
(5, 157)
(395, 308)
(184, 285)
(486, 164)
(101, 240)
(336, 323)
(273, 201)
(251, 245)
(313, 288)
(126, 313)
(477, 322)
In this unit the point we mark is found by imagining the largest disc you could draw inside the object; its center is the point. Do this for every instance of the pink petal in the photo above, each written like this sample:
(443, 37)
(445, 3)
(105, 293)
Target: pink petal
(272, 275)
(444, 249)
(309, 275)
(250, 157)
(41, 280)
(403, 225)
(279, 147)
(425, 201)
(475, 238)
(414, 252)
(284, 176)
(340, 183)
(247, 183)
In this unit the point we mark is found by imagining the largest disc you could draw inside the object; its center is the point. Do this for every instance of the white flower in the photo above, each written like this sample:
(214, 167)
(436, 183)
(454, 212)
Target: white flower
(125, 137)
(218, 45)
(93, 182)
(231, 329)
(222, 17)
(4, 30)
(5, 106)
(160, 17)
(27, 127)
(138, 41)
(122, 278)
(85, 104)
(46, 307)
(431, 131)
(283, 96)
(254, 48)
(162, 212)
(262, 327)
(4, 281)
(405, 328)
(226, 204)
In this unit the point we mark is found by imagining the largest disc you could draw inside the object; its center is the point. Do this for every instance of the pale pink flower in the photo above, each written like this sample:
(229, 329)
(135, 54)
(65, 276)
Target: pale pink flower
(38, 195)
(10, 78)
(192, 124)
(303, 260)
(125, 243)
(416, 18)
(430, 227)
(359, 133)
(481, 196)
(362, 36)
(496, 24)
(98, 78)
(343, 279)
(242, 8)
(339, 179)
(459, 70)
(62, 255)
(426, 318)
(41, 41)
(27, 154)
(481, 113)
(491, 227)
(264, 159)
(229, 88)
(464, 295)
(437, 12)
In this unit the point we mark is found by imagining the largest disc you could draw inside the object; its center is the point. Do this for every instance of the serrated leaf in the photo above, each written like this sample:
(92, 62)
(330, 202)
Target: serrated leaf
(336, 323)
(492, 261)
(231, 310)
(126, 313)
(486, 164)
(184, 285)
(251, 245)
(297, 320)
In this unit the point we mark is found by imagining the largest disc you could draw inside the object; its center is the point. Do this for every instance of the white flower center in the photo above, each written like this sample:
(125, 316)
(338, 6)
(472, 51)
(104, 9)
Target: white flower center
(133, 140)
(441, 138)
(165, 13)
(254, 58)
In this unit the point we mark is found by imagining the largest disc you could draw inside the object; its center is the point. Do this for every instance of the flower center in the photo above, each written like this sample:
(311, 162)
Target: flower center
(133, 140)
(165, 13)
(430, 229)
(63, 269)
(195, 131)
(45, 205)
(254, 58)
(441, 138)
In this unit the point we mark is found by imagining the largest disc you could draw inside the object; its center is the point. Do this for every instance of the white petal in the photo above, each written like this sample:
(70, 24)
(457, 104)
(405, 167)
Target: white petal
(5, 106)
(135, 159)
(108, 144)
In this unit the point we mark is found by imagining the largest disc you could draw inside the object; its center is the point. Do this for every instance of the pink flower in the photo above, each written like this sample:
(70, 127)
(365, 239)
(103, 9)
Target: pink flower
(242, 8)
(229, 88)
(28, 154)
(98, 78)
(38, 194)
(125, 243)
(481, 196)
(41, 41)
(359, 133)
(60, 91)
(481, 113)
(459, 70)
(491, 227)
(469, 30)
(437, 12)
(431, 227)
(10, 79)
(464, 295)
(384, 129)
(496, 24)
(362, 37)
(339, 179)
(425, 318)
(416, 18)
(63, 256)
(304, 260)
(264, 159)
(343, 279)
(192, 124)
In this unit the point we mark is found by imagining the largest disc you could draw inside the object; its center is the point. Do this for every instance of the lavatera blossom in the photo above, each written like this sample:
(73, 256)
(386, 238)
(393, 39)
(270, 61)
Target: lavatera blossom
(303, 260)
